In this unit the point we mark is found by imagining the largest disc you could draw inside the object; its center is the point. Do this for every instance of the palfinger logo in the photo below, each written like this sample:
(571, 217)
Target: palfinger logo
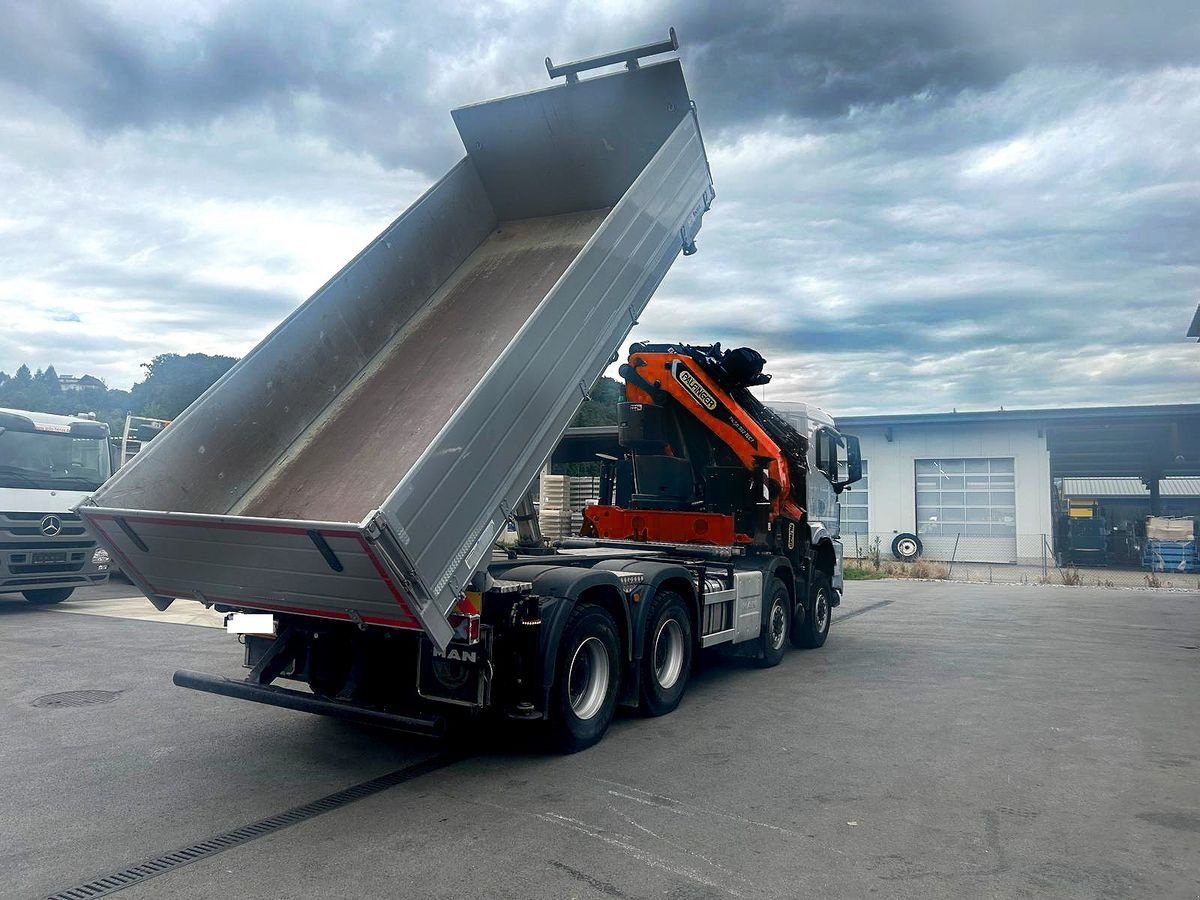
(702, 394)
(51, 526)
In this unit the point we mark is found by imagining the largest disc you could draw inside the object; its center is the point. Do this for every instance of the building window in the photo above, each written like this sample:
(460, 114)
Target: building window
(966, 496)
(853, 502)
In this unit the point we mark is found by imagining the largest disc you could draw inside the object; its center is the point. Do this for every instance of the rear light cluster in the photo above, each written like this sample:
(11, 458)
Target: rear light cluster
(466, 627)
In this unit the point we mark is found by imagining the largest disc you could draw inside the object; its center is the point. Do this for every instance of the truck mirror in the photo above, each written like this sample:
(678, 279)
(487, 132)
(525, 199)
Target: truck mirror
(828, 442)
(853, 459)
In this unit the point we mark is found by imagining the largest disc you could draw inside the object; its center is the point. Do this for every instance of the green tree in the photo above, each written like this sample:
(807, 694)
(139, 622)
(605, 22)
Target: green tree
(18, 390)
(601, 409)
(44, 391)
(173, 382)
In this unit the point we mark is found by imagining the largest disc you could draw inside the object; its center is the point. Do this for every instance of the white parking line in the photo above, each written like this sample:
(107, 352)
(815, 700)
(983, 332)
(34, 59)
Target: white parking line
(182, 612)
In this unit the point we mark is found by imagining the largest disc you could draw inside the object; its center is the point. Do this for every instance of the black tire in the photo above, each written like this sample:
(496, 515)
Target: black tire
(777, 618)
(906, 547)
(817, 615)
(46, 596)
(667, 654)
(584, 697)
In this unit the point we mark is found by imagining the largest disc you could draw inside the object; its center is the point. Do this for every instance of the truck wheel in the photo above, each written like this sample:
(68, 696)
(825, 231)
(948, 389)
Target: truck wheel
(586, 678)
(46, 596)
(774, 638)
(667, 656)
(815, 627)
(906, 547)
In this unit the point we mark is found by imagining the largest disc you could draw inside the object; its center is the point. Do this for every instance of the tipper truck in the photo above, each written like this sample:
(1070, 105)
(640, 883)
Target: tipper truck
(339, 491)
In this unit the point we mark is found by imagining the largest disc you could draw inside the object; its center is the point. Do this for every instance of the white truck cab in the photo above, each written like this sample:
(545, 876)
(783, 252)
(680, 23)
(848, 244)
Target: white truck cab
(48, 465)
(834, 461)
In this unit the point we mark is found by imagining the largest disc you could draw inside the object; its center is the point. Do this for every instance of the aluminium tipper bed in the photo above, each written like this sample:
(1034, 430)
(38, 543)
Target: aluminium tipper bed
(358, 463)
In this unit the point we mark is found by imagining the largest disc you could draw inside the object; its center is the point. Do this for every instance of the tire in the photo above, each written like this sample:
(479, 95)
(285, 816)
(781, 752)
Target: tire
(818, 615)
(777, 616)
(587, 675)
(46, 596)
(667, 655)
(906, 547)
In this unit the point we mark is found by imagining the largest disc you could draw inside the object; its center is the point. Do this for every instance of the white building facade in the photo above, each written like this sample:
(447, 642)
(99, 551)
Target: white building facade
(975, 490)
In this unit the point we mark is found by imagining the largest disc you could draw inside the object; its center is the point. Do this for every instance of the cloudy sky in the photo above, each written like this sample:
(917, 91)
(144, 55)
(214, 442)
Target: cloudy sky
(921, 205)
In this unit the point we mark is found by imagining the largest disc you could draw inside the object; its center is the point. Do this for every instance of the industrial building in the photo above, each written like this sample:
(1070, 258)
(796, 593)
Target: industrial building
(996, 486)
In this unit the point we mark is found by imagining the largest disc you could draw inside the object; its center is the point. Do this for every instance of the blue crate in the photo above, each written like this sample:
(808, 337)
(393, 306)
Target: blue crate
(1170, 556)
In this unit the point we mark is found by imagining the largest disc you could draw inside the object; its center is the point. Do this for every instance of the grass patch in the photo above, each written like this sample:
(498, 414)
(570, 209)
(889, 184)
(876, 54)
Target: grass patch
(867, 569)
(856, 573)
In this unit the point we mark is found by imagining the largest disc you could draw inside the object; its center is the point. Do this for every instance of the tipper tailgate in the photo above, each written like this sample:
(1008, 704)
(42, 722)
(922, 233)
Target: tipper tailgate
(330, 570)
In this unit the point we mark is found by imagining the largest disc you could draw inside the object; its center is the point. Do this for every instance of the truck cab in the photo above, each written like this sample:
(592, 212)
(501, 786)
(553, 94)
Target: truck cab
(834, 463)
(48, 465)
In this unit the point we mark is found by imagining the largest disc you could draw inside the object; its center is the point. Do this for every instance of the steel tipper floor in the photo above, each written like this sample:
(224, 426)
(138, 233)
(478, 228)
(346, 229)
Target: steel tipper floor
(950, 740)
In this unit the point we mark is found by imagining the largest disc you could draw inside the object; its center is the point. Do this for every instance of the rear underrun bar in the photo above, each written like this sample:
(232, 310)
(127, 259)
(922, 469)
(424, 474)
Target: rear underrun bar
(302, 702)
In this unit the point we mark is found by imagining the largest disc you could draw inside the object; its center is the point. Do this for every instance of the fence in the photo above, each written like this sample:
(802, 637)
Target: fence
(1026, 559)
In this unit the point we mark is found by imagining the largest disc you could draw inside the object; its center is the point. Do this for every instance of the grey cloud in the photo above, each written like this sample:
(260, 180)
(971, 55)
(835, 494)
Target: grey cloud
(380, 75)
(820, 61)
(871, 235)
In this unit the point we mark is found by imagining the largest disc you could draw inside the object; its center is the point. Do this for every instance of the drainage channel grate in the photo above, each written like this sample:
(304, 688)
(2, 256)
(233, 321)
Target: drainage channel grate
(76, 698)
(168, 862)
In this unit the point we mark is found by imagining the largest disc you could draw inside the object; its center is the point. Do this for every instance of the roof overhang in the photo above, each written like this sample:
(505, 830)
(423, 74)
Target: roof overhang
(1139, 441)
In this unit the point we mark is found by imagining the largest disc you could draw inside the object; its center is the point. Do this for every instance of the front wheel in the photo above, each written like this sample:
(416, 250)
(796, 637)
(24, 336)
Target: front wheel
(667, 655)
(586, 677)
(776, 625)
(815, 628)
(46, 596)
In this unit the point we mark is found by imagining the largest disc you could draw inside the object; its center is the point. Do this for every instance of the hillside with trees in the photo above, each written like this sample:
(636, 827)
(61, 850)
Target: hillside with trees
(171, 383)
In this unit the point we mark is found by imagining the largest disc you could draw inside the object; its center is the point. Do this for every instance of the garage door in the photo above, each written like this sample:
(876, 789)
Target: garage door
(971, 503)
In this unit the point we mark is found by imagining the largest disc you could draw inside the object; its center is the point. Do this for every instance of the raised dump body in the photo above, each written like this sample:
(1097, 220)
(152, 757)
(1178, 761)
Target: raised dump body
(359, 462)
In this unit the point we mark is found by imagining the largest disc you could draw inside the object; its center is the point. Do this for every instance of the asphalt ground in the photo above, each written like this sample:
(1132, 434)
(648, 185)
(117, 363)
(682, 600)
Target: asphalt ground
(950, 740)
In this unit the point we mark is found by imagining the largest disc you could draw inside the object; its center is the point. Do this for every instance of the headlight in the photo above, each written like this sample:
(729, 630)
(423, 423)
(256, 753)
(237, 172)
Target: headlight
(100, 558)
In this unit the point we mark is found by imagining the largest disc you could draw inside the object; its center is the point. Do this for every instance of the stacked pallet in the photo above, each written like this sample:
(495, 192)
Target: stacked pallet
(585, 492)
(554, 506)
(561, 501)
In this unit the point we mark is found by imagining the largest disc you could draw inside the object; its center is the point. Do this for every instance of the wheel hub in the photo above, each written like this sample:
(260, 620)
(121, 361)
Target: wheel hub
(778, 625)
(668, 654)
(587, 678)
(821, 611)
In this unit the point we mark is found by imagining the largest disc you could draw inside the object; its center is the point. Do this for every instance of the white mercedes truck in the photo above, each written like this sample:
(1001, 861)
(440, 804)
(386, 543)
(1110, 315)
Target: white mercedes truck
(48, 465)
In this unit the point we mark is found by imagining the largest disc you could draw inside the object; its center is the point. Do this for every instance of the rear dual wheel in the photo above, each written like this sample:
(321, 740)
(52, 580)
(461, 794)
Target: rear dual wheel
(587, 676)
(667, 654)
